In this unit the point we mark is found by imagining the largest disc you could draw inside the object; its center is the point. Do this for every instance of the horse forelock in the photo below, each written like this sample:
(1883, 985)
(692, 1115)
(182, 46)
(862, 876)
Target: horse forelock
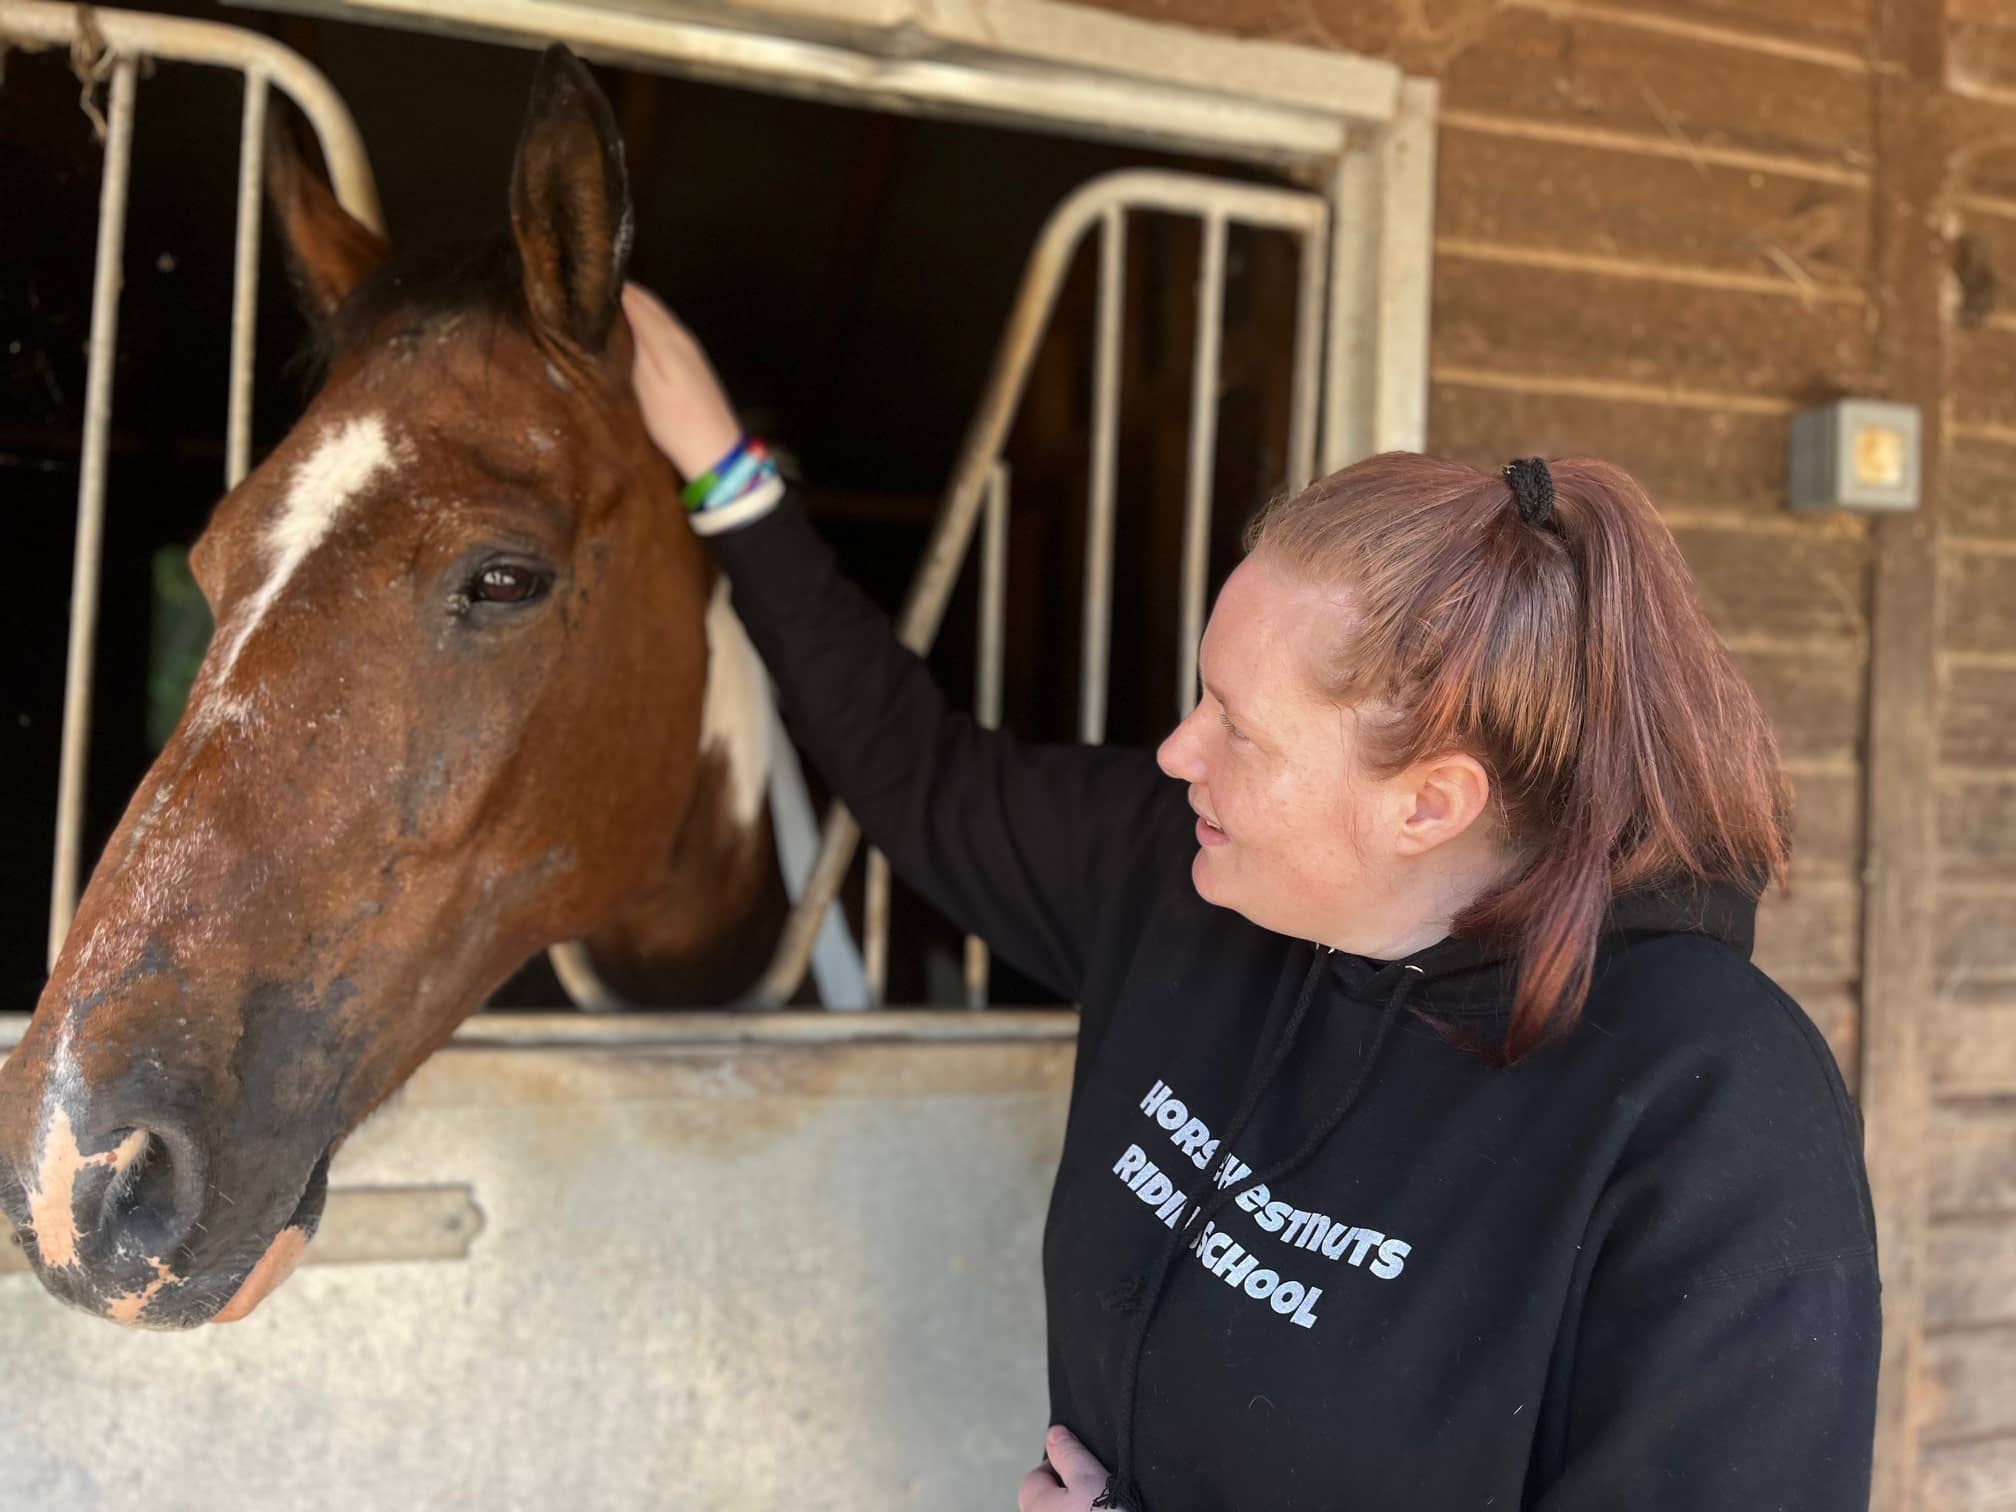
(417, 289)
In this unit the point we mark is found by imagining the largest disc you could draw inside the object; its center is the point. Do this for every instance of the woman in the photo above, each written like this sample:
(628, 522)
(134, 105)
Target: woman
(1433, 1142)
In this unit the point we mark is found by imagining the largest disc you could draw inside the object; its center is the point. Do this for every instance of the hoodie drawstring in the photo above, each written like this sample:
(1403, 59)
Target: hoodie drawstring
(1121, 1493)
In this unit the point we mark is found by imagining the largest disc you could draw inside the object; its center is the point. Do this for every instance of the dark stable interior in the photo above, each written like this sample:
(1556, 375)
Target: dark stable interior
(849, 271)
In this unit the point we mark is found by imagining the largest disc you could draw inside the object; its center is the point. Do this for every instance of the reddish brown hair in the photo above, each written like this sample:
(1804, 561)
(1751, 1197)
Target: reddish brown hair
(1574, 660)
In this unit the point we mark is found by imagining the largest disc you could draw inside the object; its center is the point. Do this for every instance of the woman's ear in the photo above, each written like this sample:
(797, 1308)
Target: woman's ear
(1442, 797)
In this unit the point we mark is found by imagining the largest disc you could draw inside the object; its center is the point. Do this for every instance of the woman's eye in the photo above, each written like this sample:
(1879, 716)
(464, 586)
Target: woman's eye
(504, 584)
(1231, 729)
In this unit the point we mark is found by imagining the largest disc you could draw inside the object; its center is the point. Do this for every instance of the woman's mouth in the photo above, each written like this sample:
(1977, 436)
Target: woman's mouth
(1209, 833)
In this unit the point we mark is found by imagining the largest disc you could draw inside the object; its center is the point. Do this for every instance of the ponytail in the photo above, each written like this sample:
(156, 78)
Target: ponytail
(1544, 621)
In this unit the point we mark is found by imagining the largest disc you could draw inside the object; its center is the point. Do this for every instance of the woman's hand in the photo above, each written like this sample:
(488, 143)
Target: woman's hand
(1067, 1480)
(685, 411)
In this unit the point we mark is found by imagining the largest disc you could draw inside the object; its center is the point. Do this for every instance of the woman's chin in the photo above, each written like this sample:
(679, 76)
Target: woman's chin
(1217, 884)
(1204, 871)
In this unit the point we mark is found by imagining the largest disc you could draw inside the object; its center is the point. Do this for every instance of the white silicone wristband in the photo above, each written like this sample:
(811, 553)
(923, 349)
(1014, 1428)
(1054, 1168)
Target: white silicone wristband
(752, 506)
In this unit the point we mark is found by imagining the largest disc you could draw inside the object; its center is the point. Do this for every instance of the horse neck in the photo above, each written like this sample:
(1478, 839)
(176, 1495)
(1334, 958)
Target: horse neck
(702, 928)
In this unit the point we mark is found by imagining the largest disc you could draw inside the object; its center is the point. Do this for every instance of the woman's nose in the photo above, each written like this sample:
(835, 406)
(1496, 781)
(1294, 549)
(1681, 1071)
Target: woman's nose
(1179, 755)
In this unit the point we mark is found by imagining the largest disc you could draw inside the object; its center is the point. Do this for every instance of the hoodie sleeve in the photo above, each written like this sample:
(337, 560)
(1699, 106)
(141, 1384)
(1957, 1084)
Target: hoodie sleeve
(1755, 1390)
(1025, 845)
(1724, 1347)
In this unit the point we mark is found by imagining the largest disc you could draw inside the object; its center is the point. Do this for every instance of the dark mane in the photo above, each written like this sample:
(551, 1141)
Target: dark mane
(416, 289)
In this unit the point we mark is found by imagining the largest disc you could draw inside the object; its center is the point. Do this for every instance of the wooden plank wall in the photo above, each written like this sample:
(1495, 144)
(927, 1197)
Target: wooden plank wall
(1653, 244)
(1967, 1417)
(1659, 234)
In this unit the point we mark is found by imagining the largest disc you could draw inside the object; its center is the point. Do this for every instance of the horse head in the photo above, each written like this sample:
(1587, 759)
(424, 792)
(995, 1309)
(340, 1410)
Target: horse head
(457, 708)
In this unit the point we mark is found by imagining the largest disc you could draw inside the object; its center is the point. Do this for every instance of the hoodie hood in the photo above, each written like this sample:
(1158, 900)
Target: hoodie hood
(1473, 980)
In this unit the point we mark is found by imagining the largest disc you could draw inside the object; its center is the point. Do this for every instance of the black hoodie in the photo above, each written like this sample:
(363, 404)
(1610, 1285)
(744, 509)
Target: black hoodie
(1636, 1269)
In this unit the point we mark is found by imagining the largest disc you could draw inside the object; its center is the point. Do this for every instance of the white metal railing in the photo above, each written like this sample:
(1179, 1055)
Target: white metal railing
(115, 43)
(980, 484)
(118, 42)
(1358, 368)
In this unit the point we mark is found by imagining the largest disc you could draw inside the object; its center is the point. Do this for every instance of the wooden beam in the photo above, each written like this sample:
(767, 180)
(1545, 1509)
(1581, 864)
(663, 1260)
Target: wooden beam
(1899, 906)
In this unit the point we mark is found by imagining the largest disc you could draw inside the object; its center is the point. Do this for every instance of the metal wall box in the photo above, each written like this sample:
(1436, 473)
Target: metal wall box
(1854, 454)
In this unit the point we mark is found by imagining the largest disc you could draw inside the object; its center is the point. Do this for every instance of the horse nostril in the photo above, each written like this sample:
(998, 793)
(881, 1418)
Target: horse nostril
(155, 1194)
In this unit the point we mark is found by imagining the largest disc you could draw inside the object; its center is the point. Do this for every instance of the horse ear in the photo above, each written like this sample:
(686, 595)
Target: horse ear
(328, 250)
(570, 204)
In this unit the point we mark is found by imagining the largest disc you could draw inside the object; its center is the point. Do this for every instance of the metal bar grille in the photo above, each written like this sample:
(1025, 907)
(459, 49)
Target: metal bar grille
(1096, 651)
(84, 572)
(245, 280)
(991, 650)
(977, 481)
(129, 37)
(1358, 380)
(1203, 456)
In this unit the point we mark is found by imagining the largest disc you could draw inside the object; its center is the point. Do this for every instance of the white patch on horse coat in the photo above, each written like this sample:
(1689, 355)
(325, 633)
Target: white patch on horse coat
(232, 707)
(735, 712)
(52, 1185)
(126, 1309)
(149, 817)
(52, 1202)
(350, 454)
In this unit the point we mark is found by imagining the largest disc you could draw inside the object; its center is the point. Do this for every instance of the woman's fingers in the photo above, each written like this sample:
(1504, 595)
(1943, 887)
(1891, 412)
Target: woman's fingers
(1038, 1491)
(653, 321)
(1068, 1480)
(1075, 1465)
(685, 411)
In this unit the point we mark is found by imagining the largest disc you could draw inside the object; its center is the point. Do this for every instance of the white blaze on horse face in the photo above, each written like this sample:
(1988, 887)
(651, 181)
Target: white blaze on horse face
(735, 712)
(52, 1204)
(350, 454)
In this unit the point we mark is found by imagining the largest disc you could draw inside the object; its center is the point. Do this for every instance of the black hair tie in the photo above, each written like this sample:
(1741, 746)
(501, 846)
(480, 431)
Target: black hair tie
(1532, 488)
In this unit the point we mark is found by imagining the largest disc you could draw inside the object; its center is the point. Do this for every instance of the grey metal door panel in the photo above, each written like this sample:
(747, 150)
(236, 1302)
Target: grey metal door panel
(710, 1275)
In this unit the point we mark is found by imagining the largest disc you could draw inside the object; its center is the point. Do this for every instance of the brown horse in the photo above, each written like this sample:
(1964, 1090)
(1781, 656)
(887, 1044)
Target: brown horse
(474, 690)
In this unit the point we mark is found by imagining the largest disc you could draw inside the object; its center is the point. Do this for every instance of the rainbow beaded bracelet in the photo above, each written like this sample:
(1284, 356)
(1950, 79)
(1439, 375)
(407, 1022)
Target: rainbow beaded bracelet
(741, 487)
(746, 464)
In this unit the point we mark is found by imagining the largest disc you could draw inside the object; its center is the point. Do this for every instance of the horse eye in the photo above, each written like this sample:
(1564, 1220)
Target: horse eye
(504, 584)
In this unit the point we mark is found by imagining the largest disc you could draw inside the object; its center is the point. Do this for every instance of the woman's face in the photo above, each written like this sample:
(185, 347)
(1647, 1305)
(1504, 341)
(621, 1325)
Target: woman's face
(1293, 832)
